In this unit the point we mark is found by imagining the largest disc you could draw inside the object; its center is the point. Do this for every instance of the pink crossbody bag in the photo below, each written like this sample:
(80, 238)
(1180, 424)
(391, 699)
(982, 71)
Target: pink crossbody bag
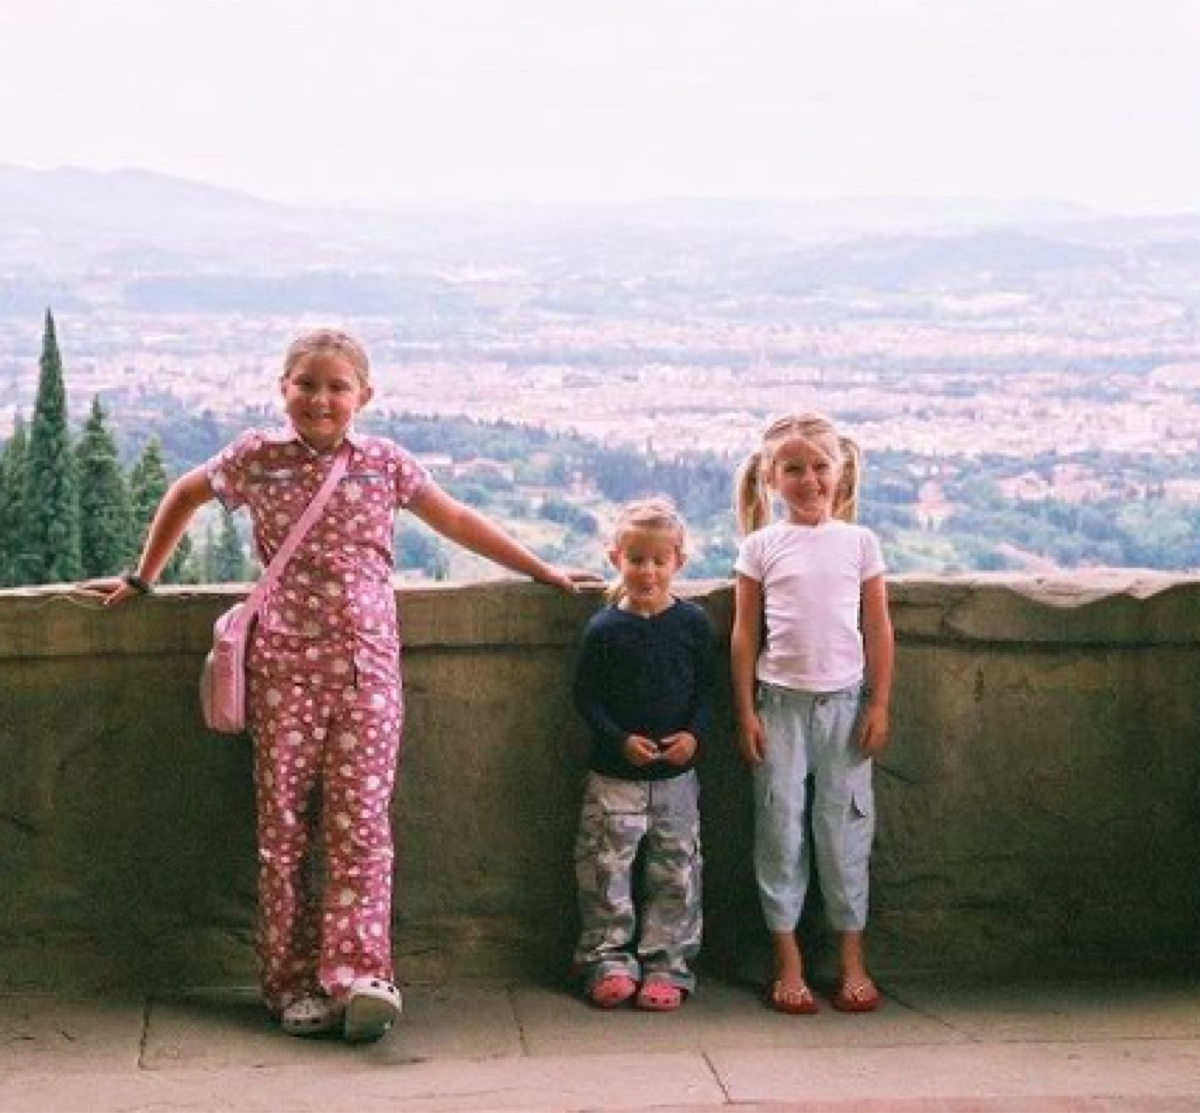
(223, 681)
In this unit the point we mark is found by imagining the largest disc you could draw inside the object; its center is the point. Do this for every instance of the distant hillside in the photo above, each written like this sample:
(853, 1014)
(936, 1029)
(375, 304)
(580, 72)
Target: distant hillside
(139, 242)
(104, 210)
(138, 201)
(118, 198)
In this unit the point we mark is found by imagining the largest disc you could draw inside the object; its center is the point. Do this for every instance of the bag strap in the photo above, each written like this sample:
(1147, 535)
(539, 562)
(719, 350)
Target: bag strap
(292, 542)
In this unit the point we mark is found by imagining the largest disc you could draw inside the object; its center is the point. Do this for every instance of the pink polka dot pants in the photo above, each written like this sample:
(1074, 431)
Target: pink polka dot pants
(325, 766)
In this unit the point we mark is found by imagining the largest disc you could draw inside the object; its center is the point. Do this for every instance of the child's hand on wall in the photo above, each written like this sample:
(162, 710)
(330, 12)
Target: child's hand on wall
(108, 590)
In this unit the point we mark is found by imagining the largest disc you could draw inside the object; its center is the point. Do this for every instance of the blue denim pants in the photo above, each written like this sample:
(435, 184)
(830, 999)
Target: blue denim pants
(812, 734)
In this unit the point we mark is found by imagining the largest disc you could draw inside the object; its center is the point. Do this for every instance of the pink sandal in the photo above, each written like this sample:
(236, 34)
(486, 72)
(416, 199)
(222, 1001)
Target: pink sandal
(611, 991)
(659, 997)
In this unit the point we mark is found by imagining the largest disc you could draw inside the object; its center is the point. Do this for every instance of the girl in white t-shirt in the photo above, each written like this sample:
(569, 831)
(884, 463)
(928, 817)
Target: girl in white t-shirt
(812, 654)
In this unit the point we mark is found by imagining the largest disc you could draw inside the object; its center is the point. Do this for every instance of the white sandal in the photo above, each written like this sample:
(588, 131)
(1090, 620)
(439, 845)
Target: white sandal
(371, 1009)
(311, 1015)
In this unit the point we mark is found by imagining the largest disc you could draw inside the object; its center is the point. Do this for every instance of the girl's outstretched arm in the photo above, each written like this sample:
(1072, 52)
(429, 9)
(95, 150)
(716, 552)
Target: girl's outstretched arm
(467, 527)
(744, 646)
(183, 498)
(879, 643)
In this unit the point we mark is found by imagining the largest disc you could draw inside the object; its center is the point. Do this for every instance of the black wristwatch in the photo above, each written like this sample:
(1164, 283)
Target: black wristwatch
(133, 580)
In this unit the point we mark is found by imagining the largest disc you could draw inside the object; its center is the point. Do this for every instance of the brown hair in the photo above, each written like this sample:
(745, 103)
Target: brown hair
(752, 498)
(655, 514)
(328, 340)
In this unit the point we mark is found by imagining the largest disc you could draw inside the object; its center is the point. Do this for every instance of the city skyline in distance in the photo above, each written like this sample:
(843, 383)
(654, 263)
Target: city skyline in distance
(1085, 102)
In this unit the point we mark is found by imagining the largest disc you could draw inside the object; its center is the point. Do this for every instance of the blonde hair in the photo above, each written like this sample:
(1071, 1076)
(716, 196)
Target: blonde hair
(845, 496)
(325, 341)
(752, 496)
(655, 514)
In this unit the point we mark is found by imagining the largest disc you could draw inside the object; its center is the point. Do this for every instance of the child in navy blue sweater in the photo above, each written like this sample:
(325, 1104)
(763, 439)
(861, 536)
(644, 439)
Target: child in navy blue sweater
(643, 685)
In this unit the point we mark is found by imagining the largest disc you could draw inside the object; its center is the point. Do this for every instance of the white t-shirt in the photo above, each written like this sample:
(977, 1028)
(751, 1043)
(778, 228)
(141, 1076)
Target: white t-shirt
(811, 579)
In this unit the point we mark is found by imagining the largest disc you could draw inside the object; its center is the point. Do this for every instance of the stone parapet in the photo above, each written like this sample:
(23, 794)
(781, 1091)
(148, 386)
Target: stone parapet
(1039, 806)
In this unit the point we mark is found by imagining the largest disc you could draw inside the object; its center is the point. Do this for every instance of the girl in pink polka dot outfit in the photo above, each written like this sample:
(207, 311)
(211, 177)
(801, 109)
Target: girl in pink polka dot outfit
(324, 698)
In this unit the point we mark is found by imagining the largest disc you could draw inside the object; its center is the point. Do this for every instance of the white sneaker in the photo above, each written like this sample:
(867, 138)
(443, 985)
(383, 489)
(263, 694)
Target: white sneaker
(312, 1015)
(371, 1009)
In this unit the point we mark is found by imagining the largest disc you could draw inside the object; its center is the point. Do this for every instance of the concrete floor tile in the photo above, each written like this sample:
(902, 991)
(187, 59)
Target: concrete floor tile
(225, 1028)
(556, 1022)
(50, 1033)
(1037, 1074)
(1077, 1009)
(453, 1022)
(494, 1085)
(229, 1028)
(1130, 1046)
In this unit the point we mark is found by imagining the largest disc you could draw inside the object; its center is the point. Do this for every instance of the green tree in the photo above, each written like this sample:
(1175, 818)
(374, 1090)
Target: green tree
(148, 483)
(417, 547)
(208, 550)
(227, 563)
(50, 543)
(105, 522)
(12, 480)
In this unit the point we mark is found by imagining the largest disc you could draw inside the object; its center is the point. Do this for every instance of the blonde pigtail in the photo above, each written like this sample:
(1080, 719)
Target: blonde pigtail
(751, 501)
(845, 498)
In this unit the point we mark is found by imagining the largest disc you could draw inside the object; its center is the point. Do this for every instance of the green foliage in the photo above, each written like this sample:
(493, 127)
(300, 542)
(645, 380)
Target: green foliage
(148, 483)
(701, 485)
(227, 562)
(1158, 536)
(184, 439)
(12, 502)
(571, 480)
(419, 549)
(105, 520)
(1110, 533)
(49, 547)
(567, 514)
(478, 495)
(715, 560)
(885, 518)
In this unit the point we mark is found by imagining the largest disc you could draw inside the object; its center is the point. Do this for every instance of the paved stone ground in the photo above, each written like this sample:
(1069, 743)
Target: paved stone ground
(1084, 1046)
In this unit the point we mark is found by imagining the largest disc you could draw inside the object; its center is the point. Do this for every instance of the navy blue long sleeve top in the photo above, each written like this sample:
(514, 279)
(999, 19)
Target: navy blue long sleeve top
(651, 676)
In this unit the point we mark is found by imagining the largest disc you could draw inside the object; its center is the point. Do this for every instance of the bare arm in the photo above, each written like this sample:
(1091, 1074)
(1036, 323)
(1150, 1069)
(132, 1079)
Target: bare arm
(179, 505)
(744, 646)
(879, 644)
(467, 527)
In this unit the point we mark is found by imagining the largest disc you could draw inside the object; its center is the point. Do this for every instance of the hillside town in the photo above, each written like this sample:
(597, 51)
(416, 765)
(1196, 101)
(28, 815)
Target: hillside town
(939, 394)
(986, 371)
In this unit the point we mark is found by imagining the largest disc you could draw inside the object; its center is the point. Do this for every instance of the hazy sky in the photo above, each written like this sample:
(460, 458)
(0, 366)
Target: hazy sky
(1088, 100)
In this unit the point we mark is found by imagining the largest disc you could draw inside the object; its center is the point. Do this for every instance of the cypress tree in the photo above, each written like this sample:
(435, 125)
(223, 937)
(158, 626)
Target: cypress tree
(50, 533)
(208, 555)
(147, 484)
(12, 480)
(228, 561)
(105, 521)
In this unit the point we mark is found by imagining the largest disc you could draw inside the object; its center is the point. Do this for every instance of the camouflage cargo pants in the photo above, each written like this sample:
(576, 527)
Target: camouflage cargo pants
(619, 818)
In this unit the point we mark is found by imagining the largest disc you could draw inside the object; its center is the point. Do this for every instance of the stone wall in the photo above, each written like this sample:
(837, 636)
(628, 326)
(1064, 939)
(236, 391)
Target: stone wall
(1039, 806)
